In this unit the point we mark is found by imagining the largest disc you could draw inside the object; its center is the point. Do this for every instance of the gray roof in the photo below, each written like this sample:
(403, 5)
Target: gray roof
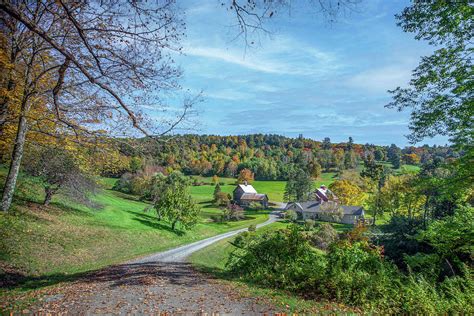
(253, 197)
(315, 207)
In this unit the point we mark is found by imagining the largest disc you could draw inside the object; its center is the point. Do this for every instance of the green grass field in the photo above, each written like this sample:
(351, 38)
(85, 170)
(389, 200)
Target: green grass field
(274, 189)
(48, 244)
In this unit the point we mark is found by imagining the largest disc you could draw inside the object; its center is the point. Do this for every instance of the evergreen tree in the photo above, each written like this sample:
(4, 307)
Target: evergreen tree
(326, 143)
(394, 156)
(217, 190)
(350, 144)
(298, 187)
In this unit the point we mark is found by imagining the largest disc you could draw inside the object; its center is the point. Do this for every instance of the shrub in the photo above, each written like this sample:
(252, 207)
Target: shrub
(291, 215)
(255, 206)
(277, 258)
(233, 212)
(252, 228)
(309, 224)
(323, 236)
(222, 199)
(352, 271)
(357, 275)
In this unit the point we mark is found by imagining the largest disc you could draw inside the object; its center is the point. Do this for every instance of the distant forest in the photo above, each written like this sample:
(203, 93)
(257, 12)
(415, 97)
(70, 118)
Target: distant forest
(269, 157)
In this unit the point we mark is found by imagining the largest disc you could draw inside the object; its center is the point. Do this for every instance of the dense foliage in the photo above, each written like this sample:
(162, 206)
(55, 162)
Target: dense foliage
(352, 270)
(268, 157)
(172, 201)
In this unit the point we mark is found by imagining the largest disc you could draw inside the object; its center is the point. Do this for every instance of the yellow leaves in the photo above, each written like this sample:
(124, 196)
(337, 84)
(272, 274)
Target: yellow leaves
(245, 175)
(348, 192)
(399, 195)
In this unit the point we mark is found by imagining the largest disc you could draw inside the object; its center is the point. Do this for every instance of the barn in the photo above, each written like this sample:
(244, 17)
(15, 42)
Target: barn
(244, 194)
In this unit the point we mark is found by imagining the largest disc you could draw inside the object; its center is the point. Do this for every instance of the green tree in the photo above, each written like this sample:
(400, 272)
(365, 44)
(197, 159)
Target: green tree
(315, 169)
(136, 164)
(350, 144)
(376, 173)
(350, 160)
(217, 190)
(176, 204)
(60, 173)
(326, 143)
(440, 93)
(394, 155)
(298, 187)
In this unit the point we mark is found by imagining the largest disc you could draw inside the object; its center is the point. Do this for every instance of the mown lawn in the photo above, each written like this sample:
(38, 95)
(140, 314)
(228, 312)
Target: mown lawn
(274, 189)
(48, 244)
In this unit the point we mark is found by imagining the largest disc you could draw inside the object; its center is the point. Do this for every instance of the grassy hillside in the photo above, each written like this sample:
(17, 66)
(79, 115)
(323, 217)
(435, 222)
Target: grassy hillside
(66, 238)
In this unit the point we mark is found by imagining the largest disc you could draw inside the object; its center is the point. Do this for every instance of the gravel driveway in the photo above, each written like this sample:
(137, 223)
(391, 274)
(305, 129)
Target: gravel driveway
(181, 253)
(163, 283)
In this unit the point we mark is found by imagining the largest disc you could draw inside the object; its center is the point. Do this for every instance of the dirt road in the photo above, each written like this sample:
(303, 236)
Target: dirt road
(163, 283)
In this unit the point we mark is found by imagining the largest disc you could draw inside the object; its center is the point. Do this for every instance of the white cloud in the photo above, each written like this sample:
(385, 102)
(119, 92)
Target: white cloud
(283, 56)
(381, 79)
(228, 94)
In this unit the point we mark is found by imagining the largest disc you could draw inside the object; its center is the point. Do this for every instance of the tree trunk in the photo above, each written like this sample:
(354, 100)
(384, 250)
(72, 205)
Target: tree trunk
(48, 196)
(17, 155)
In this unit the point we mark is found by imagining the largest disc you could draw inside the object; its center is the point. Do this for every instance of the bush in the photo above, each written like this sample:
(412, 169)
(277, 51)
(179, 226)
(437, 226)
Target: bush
(222, 198)
(309, 224)
(323, 236)
(252, 228)
(291, 215)
(357, 275)
(352, 271)
(255, 206)
(233, 212)
(277, 258)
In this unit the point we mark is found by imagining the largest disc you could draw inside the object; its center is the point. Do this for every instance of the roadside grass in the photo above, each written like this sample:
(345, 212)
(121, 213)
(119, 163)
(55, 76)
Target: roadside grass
(213, 258)
(41, 246)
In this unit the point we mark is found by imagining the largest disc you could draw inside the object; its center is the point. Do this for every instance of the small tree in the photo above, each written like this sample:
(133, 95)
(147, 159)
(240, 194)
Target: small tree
(217, 190)
(324, 236)
(245, 175)
(60, 173)
(331, 210)
(234, 212)
(347, 192)
(291, 215)
(377, 174)
(298, 187)
(175, 204)
(222, 199)
(215, 179)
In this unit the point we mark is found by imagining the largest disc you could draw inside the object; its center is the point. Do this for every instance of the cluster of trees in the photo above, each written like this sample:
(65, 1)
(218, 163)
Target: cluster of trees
(272, 157)
(73, 73)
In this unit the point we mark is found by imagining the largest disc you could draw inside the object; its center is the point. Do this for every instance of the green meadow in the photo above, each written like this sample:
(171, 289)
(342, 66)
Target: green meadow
(50, 243)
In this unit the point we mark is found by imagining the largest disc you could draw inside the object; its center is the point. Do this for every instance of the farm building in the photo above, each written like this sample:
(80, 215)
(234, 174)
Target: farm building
(244, 194)
(327, 211)
(325, 207)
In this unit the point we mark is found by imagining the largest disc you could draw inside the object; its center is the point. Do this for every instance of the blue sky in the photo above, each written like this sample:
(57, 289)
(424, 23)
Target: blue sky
(308, 77)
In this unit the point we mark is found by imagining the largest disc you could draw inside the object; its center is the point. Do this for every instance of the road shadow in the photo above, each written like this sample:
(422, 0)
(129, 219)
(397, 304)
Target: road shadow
(114, 276)
(157, 225)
